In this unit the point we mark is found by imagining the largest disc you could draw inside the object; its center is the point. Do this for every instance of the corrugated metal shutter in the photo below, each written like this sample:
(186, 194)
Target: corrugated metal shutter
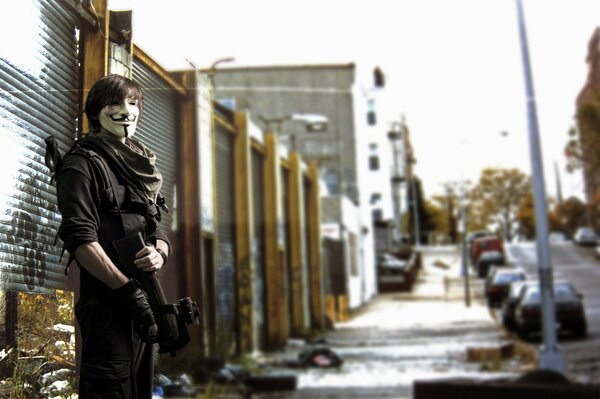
(225, 233)
(258, 247)
(39, 96)
(157, 130)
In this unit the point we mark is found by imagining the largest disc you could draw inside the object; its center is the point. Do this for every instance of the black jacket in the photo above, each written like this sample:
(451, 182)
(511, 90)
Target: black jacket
(90, 181)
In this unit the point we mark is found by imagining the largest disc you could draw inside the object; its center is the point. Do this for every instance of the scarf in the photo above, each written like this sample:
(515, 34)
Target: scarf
(138, 158)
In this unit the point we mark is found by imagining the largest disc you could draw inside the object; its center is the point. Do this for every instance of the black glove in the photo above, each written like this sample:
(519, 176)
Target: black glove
(136, 306)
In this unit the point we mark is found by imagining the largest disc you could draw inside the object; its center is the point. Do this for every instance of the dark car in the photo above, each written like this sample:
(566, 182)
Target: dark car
(510, 301)
(569, 307)
(498, 282)
(488, 259)
(389, 264)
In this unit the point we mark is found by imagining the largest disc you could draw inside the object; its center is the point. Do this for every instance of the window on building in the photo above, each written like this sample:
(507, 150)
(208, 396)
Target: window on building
(375, 197)
(374, 162)
(373, 157)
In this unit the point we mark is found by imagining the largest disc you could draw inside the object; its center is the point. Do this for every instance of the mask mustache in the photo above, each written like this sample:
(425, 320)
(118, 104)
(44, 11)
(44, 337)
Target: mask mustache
(124, 119)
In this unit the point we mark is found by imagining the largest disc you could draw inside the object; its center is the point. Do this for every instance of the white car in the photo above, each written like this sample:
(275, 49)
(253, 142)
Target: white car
(557, 236)
(585, 236)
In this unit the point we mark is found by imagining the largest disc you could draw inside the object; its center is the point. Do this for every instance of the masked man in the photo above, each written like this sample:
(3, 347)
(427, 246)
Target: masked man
(108, 188)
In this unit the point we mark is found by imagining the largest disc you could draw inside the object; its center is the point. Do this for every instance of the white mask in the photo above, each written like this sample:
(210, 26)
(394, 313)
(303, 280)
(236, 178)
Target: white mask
(120, 117)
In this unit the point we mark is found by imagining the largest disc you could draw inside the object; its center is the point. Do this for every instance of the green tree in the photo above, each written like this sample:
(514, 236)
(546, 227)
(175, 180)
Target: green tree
(496, 197)
(526, 217)
(570, 215)
(437, 218)
(450, 207)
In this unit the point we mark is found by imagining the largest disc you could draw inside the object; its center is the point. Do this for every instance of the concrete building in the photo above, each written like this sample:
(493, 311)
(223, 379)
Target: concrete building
(354, 153)
(275, 95)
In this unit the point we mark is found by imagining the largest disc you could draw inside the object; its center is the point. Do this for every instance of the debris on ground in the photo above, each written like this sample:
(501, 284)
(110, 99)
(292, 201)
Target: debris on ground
(441, 264)
(319, 356)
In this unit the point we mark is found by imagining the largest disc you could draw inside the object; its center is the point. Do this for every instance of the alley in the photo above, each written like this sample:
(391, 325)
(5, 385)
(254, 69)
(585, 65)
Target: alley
(398, 338)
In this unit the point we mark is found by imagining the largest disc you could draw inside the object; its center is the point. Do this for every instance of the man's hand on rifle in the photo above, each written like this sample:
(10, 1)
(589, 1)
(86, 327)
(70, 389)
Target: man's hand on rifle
(136, 305)
(149, 259)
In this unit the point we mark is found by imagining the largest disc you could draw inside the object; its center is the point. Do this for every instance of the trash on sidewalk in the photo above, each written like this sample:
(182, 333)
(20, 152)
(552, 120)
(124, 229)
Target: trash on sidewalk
(490, 353)
(180, 387)
(441, 264)
(318, 356)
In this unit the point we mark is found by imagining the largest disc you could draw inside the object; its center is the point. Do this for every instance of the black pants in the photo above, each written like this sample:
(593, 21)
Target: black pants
(115, 363)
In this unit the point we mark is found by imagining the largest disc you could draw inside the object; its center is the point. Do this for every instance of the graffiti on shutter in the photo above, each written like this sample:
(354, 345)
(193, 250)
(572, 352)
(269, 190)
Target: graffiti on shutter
(39, 96)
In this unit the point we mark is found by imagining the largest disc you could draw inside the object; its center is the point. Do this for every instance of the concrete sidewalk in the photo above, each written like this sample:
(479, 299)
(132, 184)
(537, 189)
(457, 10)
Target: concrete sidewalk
(398, 338)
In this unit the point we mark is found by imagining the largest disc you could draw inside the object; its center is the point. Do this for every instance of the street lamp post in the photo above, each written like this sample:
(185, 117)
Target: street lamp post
(550, 356)
(463, 231)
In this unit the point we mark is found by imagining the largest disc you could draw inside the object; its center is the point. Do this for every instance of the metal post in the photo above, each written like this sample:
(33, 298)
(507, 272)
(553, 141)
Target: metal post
(550, 356)
(415, 210)
(463, 231)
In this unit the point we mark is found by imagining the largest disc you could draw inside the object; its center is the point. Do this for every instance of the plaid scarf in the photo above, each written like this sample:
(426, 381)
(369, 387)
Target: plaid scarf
(138, 158)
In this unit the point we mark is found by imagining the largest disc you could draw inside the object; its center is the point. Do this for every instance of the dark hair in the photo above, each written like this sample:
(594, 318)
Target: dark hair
(104, 90)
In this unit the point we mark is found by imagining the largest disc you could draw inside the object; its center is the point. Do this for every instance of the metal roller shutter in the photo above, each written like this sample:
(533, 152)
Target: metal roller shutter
(39, 96)
(225, 234)
(157, 130)
(258, 247)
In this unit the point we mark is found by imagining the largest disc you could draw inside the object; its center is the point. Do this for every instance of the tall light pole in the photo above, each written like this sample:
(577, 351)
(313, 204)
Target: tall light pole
(462, 229)
(550, 356)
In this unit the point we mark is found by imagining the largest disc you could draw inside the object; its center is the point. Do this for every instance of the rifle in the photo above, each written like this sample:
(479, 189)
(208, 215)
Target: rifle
(171, 319)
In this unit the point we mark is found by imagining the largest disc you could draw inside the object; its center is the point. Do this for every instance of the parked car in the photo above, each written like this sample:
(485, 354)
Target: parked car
(585, 236)
(389, 264)
(488, 259)
(474, 235)
(498, 281)
(557, 236)
(569, 308)
(510, 301)
(483, 244)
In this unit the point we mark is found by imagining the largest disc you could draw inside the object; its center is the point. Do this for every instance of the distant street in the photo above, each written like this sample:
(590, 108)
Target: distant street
(402, 337)
(578, 265)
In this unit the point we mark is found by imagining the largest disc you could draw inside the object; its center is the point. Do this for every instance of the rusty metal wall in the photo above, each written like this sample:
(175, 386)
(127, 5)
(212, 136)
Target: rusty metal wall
(39, 96)
(226, 283)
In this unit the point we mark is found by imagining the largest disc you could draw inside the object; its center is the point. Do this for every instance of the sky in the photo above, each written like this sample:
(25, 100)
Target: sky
(453, 67)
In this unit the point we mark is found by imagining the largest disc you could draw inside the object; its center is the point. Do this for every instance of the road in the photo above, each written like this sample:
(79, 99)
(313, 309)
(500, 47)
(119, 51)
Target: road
(580, 266)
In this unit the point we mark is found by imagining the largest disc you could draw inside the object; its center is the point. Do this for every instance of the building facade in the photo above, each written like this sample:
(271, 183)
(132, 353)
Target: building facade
(589, 100)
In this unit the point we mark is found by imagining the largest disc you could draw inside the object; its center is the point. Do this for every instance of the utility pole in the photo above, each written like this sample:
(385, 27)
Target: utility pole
(550, 356)
(462, 228)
